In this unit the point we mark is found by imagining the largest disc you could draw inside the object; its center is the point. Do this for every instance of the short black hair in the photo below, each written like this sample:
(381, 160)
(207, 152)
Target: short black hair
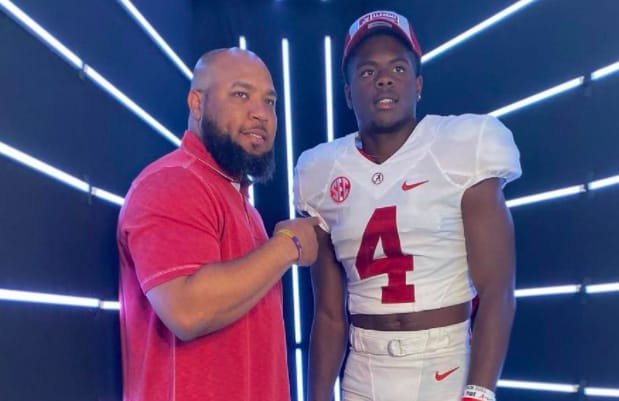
(416, 59)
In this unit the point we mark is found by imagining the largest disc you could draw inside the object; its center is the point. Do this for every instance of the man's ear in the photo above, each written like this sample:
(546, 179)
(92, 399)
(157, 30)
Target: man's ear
(194, 102)
(347, 96)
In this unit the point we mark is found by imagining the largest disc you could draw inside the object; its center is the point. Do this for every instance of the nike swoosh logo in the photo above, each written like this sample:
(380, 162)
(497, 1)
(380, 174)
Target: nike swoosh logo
(441, 376)
(408, 187)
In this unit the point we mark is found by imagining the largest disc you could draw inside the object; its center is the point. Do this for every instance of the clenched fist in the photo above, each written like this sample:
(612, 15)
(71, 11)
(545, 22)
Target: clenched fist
(302, 235)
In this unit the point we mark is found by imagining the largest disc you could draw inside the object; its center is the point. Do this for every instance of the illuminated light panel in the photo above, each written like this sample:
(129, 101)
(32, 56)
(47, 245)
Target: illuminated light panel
(109, 305)
(555, 90)
(242, 42)
(605, 182)
(154, 35)
(337, 390)
(573, 190)
(290, 177)
(496, 18)
(559, 388)
(600, 288)
(44, 298)
(57, 174)
(542, 291)
(329, 87)
(544, 196)
(37, 30)
(129, 104)
(602, 392)
(605, 71)
(538, 97)
(43, 167)
(527, 385)
(299, 365)
(54, 44)
(108, 196)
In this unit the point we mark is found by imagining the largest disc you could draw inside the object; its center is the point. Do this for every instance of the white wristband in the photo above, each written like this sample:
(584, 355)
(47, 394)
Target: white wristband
(479, 393)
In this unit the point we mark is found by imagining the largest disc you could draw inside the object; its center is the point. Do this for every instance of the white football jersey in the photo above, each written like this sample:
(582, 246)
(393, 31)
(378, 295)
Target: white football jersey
(396, 227)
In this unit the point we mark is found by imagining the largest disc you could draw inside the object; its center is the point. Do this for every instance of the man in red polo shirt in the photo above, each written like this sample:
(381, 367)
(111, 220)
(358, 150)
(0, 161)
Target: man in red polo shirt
(201, 298)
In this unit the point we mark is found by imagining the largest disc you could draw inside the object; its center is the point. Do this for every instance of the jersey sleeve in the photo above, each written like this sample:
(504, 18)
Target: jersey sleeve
(497, 154)
(308, 192)
(470, 148)
(169, 227)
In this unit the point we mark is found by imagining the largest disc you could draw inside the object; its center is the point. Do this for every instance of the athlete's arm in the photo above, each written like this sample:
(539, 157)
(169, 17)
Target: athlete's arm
(329, 335)
(489, 234)
(220, 293)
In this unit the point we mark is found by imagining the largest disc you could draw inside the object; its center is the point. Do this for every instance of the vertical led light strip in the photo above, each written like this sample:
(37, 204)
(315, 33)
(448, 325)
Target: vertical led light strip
(337, 390)
(330, 137)
(290, 177)
(329, 87)
(299, 377)
(154, 35)
(252, 199)
(291, 214)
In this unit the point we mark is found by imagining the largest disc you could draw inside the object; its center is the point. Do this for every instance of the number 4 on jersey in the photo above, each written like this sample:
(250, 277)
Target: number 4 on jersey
(383, 226)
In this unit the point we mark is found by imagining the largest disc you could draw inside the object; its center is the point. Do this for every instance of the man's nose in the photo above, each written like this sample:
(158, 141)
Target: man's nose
(261, 111)
(384, 79)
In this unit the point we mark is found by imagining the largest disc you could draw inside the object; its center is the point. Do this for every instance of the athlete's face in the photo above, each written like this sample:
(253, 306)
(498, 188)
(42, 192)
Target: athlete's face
(383, 88)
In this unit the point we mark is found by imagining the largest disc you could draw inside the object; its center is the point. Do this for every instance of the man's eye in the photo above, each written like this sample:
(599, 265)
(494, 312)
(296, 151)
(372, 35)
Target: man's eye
(270, 102)
(367, 73)
(399, 68)
(242, 95)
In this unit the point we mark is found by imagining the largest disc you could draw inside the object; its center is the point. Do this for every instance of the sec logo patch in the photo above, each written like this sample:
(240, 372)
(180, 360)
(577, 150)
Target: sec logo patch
(340, 189)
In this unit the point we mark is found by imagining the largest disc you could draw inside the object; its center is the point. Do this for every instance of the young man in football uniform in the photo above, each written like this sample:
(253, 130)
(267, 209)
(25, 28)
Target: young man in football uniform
(413, 227)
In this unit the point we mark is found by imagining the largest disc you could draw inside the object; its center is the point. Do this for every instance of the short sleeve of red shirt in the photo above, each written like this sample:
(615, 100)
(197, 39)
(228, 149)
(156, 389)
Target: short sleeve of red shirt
(170, 226)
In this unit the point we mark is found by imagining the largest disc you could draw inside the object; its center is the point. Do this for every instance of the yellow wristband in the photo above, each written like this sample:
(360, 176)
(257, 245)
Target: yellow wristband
(288, 233)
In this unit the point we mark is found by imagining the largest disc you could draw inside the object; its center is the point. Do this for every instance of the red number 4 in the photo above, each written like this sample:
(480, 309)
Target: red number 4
(383, 226)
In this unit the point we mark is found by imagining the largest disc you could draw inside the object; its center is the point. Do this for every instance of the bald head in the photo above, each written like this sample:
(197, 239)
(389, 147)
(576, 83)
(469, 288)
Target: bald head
(208, 66)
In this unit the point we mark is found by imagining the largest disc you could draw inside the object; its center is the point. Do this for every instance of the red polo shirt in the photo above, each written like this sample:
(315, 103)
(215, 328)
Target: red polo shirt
(180, 213)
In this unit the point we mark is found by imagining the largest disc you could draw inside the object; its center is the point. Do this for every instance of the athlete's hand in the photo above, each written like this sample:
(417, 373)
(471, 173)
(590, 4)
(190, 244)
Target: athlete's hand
(303, 229)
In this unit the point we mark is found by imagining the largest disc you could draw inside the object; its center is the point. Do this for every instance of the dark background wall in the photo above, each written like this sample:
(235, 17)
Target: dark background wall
(55, 239)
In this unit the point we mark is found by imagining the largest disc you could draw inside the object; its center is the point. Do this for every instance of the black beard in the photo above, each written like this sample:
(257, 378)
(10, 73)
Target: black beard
(232, 157)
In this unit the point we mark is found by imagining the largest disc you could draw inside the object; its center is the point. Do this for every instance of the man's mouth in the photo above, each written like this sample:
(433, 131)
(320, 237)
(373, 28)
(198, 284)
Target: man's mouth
(258, 135)
(385, 102)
